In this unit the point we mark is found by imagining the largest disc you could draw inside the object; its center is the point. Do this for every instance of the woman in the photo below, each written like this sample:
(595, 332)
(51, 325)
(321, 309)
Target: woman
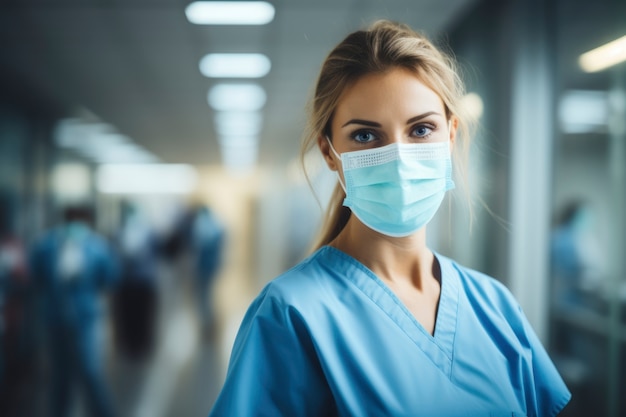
(374, 323)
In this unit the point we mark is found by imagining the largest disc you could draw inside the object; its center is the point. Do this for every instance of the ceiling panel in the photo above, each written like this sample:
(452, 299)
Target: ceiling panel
(134, 63)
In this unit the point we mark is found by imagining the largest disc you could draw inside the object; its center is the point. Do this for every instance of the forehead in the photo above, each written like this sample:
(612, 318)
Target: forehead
(397, 93)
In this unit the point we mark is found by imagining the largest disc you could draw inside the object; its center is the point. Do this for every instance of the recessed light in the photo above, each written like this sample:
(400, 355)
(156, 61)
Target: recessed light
(239, 155)
(237, 123)
(146, 178)
(230, 12)
(99, 142)
(237, 97)
(235, 65)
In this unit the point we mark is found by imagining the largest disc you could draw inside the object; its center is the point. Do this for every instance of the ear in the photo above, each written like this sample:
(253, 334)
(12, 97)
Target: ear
(454, 125)
(328, 155)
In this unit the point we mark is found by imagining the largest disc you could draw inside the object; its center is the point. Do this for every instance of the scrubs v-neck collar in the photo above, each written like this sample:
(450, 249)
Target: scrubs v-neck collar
(438, 347)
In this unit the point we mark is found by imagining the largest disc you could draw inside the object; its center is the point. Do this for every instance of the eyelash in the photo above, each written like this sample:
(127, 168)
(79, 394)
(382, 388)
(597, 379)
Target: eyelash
(424, 125)
(356, 133)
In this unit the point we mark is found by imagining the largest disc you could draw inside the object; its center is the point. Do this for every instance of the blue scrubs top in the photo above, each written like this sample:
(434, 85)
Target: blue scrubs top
(329, 338)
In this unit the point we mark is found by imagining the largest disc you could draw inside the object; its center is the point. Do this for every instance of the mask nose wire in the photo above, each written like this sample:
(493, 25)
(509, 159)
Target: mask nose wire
(332, 148)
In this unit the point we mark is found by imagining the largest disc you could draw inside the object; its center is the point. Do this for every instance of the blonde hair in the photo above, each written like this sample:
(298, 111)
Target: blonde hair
(382, 46)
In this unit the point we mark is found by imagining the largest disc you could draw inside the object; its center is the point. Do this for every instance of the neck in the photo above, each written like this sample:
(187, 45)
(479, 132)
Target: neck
(405, 260)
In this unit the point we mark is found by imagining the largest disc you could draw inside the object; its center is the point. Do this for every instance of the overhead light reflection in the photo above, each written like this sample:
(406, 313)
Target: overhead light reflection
(239, 142)
(238, 138)
(72, 132)
(235, 65)
(239, 153)
(230, 12)
(124, 153)
(99, 142)
(237, 123)
(237, 97)
(146, 178)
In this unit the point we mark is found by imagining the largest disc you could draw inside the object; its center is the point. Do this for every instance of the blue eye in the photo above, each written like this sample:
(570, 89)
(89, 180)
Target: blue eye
(364, 136)
(422, 131)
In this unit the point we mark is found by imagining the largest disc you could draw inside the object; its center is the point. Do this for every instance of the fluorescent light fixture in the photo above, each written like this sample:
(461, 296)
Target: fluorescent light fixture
(240, 159)
(230, 12)
(239, 153)
(63, 133)
(604, 56)
(146, 178)
(235, 65)
(238, 123)
(114, 148)
(99, 142)
(96, 144)
(239, 142)
(72, 133)
(237, 97)
(124, 153)
(584, 111)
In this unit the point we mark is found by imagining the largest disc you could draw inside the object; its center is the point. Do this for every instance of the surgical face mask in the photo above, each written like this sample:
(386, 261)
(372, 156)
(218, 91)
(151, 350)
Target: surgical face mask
(396, 189)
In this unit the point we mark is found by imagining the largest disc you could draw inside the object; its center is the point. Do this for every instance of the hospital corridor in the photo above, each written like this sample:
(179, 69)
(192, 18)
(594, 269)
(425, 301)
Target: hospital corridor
(154, 182)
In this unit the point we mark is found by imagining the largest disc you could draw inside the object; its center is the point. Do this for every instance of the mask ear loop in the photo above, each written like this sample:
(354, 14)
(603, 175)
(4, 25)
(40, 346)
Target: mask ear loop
(338, 157)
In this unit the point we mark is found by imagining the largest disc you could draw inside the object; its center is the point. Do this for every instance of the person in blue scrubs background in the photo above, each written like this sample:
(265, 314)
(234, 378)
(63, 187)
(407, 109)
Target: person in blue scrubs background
(374, 323)
(207, 238)
(73, 266)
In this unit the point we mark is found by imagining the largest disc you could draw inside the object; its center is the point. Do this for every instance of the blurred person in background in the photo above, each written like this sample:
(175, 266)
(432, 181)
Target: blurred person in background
(374, 323)
(16, 326)
(197, 237)
(73, 266)
(575, 256)
(135, 305)
(174, 242)
(207, 240)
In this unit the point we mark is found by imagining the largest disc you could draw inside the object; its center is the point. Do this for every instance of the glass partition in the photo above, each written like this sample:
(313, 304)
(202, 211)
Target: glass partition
(587, 241)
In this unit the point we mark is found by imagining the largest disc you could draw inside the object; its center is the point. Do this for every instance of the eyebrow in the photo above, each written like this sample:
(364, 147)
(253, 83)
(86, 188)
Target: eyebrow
(421, 116)
(376, 124)
(361, 122)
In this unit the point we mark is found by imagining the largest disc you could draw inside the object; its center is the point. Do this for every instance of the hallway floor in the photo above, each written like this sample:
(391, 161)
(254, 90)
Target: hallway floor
(184, 374)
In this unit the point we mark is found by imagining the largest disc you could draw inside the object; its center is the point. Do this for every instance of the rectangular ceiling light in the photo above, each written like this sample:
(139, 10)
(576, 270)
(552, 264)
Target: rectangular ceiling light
(237, 97)
(230, 12)
(99, 142)
(239, 155)
(71, 132)
(604, 56)
(238, 123)
(146, 178)
(235, 65)
(125, 153)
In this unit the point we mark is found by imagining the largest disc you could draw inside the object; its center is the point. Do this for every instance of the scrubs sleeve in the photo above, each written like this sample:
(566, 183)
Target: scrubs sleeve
(551, 393)
(273, 370)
